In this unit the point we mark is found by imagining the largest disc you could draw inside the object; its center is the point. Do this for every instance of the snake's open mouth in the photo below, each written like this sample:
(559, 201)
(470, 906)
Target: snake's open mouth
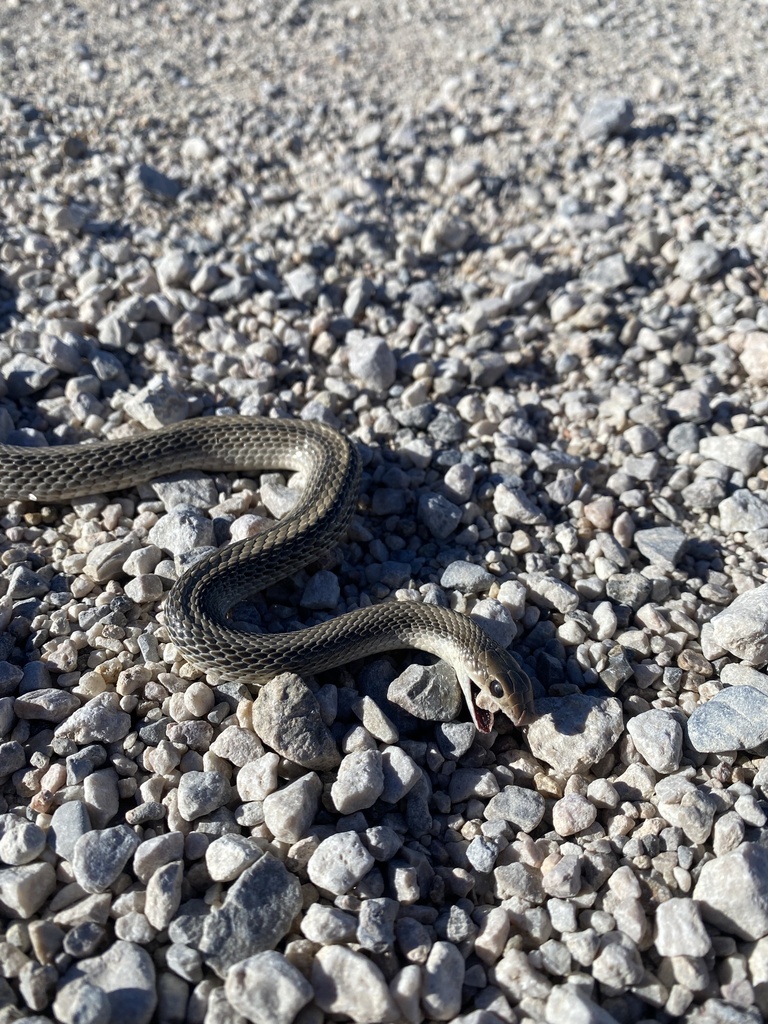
(482, 717)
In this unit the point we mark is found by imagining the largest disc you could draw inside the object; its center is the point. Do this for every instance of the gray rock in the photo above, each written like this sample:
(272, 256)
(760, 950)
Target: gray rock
(102, 796)
(69, 821)
(400, 774)
(573, 732)
(100, 856)
(257, 912)
(359, 292)
(7, 717)
(572, 814)
(290, 811)
(267, 989)
(62, 352)
(322, 591)
(174, 269)
(617, 670)
(303, 283)
(24, 583)
(487, 368)
(105, 561)
(157, 184)
(375, 721)
(706, 492)
(182, 530)
(25, 888)
(698, 261)
(428, 692)
(754, 356)
(144, 589)
(606, 116)
(658, 737)
(550, 592)
(200, 793)
(742, 628)
(515, 504)
(99, 720)
(25, 375)
(233, 290)
(732, 892)
(467, 577)
(482, 854)
(734, 452)
(157, 405)
(184, 961)
(287, 718)
(618, 962)
(48, 705)
(126, 975)
(683, 437)
(153, 853)
(518, 881)
(522, 808)
(376, 921)
(474, 782)
(424, 294)
(238, 746)
(455, 738)
(373, 362)
(736, 718)
(737, 674)
(680, 930)
(521, 289)
(328, 925)
(459, 483)
(228, 856)
(359, 782)
(190, 488)
(630, 588)
(661, 545)
(347, 983)
(80, 1002)
(339, 863)
(563, 881)
(742, 512)
(443, 980)
(571, 1003)
(21, 841)
(11, 757)
(608, 275)
(444, 233)
(686, 806)
(164, 894)
(440, 516)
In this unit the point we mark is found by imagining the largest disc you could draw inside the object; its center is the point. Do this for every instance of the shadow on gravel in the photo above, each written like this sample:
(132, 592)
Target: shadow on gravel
(8, 307)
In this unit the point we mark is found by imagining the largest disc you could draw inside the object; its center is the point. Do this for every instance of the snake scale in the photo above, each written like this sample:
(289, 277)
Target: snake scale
(197, 608)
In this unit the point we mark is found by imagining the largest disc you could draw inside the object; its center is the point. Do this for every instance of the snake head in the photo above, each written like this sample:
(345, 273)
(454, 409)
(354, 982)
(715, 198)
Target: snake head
(496, 682)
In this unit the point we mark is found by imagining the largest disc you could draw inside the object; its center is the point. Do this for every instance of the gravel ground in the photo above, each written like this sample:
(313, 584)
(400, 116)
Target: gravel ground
(517, 252)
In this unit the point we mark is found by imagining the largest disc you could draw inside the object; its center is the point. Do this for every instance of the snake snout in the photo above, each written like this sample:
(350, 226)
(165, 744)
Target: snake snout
(505, 686)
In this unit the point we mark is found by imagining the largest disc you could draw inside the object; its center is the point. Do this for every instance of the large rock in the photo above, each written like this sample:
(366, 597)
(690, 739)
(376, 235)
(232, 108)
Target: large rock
(257, 912)
(742, 627)
(125, 974)
(574, 732)
(732, 892)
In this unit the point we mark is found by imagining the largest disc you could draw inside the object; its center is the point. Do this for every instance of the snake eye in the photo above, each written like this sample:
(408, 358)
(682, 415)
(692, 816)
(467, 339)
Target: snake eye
(497, 690)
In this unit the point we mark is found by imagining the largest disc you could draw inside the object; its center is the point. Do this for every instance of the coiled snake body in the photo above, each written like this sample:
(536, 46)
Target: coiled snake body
(196, 611)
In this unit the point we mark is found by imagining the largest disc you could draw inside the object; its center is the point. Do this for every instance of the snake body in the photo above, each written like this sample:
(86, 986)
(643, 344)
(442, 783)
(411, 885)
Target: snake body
(198, 606)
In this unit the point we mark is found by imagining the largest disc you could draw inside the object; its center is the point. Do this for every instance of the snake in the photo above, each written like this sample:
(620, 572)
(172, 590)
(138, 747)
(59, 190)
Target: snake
(198, 606)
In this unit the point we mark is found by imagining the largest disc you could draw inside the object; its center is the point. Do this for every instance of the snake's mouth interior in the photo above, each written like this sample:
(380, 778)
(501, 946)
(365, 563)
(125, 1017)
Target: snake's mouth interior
(482, 718)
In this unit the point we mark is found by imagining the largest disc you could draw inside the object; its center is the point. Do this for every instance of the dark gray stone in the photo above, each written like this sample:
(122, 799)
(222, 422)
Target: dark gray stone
(257, 912)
